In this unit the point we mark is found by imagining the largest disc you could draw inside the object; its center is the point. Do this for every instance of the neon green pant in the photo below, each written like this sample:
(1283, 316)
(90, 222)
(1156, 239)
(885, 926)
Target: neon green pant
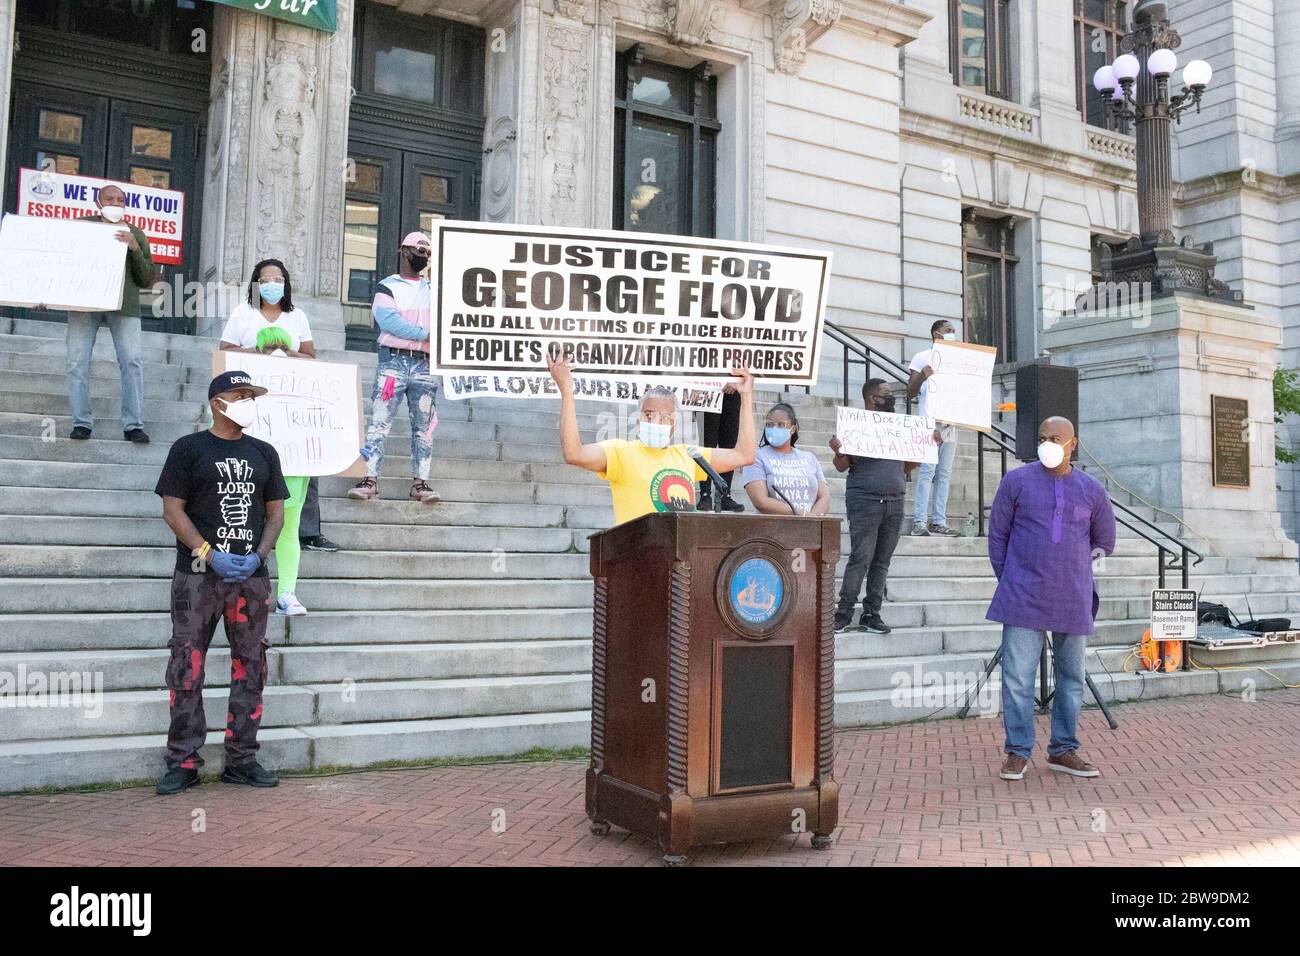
(288, 550)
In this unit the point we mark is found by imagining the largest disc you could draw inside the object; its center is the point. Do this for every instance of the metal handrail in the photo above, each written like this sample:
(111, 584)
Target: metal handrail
(1178, 552)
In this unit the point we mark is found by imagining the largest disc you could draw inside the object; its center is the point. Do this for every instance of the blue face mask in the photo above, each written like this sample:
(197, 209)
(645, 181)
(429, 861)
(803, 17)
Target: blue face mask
(777, 437)
(655, 434)
(271, 292)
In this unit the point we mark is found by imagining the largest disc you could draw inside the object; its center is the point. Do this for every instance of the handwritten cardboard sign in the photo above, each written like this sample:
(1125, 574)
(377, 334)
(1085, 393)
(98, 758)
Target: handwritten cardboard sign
(60, 264)
(961, 389)
(870, 434)
(311, 413)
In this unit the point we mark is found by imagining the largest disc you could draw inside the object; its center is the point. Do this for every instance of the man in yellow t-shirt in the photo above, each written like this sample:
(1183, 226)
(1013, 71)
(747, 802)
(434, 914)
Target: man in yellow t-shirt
(649, 474)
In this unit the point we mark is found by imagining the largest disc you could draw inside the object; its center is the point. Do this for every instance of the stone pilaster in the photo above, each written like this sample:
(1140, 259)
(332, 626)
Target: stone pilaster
(1145, 382)
(8, 12)
(562, 160)
(277, 149)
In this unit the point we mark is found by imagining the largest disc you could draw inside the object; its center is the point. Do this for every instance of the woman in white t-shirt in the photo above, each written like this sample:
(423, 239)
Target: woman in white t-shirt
(268, 323)
(269, 306)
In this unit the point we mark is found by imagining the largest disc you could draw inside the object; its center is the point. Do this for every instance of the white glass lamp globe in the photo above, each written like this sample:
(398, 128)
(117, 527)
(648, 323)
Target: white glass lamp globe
(1126, 67)
(1162, 62)
(1117, 94)
(1197, 73)
(1104, 79)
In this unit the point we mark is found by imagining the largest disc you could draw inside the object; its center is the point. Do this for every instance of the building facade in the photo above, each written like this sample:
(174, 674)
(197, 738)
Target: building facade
(951, 153)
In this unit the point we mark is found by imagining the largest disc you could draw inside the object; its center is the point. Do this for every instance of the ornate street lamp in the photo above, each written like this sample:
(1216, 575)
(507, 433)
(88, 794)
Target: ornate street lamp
(1136, 88)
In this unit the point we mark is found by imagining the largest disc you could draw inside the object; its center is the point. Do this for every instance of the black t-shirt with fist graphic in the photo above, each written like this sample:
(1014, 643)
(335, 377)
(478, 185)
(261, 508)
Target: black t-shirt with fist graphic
(225, 486)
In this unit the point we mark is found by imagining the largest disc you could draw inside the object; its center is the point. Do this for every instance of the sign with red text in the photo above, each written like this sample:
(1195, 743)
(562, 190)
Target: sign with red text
(158, 213)
(624, 304)
(872, 434)
(311, 412)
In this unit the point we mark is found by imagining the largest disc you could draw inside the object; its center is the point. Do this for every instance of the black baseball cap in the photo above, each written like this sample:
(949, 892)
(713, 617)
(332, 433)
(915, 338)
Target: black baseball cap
(227, 381)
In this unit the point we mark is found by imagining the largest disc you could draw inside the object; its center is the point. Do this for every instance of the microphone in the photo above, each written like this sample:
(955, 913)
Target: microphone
(793, 510)
(718, 483)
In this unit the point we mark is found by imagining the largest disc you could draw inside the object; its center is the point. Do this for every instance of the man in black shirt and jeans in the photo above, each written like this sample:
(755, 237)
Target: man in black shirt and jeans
(874, 500)
(223, 495)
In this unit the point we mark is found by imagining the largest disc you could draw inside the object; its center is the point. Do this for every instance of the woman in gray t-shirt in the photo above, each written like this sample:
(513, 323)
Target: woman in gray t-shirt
(783, 479)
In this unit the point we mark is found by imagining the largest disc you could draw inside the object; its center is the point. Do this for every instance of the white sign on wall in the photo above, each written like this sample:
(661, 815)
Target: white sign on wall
(624, 304)
(61, 264)
(691, 396)
(1173, 614)
(961, 389)
(311, 412)
(871, 434)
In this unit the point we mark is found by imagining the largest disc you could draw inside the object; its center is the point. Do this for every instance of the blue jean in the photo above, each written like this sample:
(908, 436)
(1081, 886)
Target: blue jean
(410, 379)
(125, 329)
(936, 476)
(1021, 649)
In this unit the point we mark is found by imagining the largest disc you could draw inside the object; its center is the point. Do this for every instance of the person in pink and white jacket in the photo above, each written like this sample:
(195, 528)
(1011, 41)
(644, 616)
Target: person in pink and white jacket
(401, 310)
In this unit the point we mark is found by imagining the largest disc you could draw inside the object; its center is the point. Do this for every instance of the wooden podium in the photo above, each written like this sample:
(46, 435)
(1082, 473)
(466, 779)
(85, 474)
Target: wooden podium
(713, 679)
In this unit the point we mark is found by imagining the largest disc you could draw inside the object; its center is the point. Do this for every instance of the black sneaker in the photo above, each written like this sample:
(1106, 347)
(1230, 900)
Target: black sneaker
(80, 433)
(318, 542)
(842, 623)
(135, 436)
(252, 774)
(705, 503)
(731, 504)
(872, 622)
(176, 780)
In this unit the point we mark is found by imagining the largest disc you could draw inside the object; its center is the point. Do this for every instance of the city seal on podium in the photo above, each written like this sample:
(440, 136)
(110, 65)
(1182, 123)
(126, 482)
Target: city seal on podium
(756, 591)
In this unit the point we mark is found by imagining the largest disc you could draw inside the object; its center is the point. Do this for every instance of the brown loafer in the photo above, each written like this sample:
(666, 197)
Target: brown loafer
(1013, 768)
(1070, 762)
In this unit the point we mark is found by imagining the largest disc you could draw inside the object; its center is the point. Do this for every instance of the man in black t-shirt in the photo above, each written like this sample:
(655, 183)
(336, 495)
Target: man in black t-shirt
(223, 495)
(873, 497)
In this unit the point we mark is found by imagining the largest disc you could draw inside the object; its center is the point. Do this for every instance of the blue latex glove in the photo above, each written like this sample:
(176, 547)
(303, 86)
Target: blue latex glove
(248, 564)
(227, 566)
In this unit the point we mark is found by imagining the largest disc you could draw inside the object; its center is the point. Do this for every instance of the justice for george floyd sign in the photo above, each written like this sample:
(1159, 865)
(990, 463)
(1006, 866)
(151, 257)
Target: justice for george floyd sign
(627, 305)
(158, 213)
(871, 434)
(691, 396)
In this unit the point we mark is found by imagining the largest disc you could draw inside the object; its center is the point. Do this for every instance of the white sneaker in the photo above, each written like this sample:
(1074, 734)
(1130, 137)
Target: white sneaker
(290, 606)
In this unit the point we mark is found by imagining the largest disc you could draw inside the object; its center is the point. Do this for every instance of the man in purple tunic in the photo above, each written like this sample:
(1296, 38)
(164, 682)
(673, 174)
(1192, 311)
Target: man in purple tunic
(1048, 522)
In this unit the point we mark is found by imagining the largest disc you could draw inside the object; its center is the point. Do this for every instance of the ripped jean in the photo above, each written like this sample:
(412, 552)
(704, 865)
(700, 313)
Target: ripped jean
(398, 376)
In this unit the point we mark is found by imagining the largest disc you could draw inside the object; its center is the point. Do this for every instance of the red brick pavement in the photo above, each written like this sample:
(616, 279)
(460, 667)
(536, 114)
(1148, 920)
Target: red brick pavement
(1191, 781)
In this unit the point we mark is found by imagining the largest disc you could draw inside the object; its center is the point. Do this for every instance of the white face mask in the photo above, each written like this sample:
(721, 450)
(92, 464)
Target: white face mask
(655, 434)
(1050, 454)
(950, 336)
(112, 213)
(242, 412)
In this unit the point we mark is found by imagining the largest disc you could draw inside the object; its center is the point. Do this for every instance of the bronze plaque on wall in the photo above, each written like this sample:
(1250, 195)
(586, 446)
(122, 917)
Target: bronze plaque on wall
(1229, 444)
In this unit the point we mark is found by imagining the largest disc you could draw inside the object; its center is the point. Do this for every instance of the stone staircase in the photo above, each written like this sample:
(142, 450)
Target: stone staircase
(455, 630)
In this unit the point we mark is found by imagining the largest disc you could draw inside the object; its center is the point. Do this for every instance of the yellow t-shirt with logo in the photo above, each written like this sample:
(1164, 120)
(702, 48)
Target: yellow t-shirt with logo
(643, 480)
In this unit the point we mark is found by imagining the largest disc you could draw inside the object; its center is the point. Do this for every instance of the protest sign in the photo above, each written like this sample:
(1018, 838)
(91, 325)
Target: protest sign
(311, 412)
(63, 265)
(961, 389)
(624, 304)
(158, 213)
(696, 396)
(871, 434)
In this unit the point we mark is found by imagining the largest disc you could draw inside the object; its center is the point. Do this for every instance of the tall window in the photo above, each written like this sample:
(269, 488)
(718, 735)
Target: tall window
(1099, 25)
(988, 296)
(666, 136)
(979, 37)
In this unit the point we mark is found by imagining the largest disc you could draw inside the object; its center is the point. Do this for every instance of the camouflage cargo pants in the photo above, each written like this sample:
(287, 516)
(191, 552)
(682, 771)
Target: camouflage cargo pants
(198, 602)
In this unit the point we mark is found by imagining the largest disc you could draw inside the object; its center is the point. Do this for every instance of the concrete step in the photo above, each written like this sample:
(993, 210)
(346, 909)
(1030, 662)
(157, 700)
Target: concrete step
(33, 595)
(98, 631)
(74, 761)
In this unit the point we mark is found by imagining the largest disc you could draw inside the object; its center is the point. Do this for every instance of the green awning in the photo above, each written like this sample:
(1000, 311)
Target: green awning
(317, 14)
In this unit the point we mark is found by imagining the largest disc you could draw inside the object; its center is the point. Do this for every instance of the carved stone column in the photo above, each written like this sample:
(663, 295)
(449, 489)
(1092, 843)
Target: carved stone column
(562, 164)
(277, 146)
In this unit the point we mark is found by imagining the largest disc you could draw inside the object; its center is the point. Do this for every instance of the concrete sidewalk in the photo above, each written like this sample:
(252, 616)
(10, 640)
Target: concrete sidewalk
(1186, 782)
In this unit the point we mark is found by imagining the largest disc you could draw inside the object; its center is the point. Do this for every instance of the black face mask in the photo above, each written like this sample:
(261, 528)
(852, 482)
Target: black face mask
(417, 261)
